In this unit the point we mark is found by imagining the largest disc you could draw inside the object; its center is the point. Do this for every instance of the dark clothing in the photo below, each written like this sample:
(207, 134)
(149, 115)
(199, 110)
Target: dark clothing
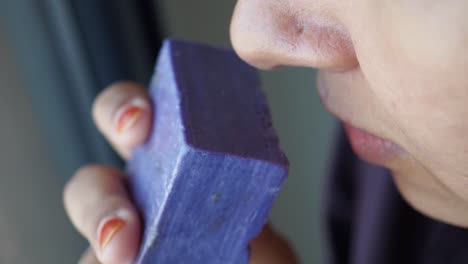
(367, 221)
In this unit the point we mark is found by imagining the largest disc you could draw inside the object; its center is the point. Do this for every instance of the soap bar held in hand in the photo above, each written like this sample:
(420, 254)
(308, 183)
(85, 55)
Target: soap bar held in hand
(206, 178)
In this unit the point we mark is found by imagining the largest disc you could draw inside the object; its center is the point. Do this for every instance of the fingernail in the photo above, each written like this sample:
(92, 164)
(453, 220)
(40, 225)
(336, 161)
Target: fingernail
(108, 230)
(129, 116)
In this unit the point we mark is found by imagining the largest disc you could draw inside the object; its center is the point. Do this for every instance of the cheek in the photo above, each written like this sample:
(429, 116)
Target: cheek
(432, 122)
(428, 110)
(433, 39)
(421, 83)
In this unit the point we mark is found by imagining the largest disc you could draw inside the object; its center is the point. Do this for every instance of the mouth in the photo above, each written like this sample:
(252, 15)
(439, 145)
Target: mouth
(371, 148)
(367, 146)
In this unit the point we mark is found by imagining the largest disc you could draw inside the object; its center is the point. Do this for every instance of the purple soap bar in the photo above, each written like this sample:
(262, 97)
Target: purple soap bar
(206, 178)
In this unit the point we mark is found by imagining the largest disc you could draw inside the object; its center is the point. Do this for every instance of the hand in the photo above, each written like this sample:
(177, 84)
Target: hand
(96, 198)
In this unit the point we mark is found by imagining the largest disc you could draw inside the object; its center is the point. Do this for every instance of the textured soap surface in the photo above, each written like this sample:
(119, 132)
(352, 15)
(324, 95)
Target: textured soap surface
(206, 178)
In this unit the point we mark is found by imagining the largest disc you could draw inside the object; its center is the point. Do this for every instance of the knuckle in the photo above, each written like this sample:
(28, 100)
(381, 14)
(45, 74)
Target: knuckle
(79, 180)
(83, 173)
(73, 184)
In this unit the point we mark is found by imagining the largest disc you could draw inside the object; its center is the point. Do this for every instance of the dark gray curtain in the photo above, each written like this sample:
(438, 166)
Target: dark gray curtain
(69, 50)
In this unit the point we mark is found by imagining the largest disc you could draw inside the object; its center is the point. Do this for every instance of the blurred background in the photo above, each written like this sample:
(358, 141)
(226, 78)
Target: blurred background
(56, 55)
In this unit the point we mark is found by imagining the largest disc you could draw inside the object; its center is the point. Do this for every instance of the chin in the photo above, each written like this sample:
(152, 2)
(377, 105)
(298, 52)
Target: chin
(427, 196)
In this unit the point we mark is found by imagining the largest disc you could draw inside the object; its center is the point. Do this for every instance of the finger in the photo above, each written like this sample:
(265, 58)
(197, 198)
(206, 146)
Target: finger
(270, 248)
(89, 257)
(123, 114)
(98, 205)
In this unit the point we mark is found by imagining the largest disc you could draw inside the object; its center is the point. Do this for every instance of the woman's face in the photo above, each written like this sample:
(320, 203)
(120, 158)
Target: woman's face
(397, 69)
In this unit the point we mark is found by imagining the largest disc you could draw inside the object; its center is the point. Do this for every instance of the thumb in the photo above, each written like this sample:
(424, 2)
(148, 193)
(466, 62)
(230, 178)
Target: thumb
(270, 248)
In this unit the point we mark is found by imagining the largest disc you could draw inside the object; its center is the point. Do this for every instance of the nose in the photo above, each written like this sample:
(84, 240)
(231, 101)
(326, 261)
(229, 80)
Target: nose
(270, 33)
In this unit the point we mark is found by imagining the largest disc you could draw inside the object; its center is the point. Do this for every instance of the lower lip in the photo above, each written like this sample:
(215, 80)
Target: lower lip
(371, 148)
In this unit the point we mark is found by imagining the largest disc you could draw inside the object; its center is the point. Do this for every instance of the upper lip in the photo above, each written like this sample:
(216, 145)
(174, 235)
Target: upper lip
(323, 93)
(322, 90)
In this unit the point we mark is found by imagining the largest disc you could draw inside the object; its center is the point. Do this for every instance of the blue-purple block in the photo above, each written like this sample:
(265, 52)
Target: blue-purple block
(206, 178)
